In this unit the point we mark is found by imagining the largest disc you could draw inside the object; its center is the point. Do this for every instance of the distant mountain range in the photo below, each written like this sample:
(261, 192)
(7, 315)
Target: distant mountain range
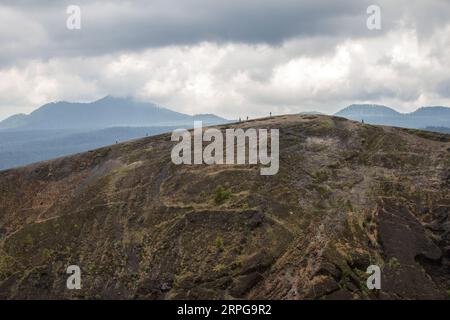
(381, 115)
(104, 113)
(438, 129)
(19, 148)
(62, 128)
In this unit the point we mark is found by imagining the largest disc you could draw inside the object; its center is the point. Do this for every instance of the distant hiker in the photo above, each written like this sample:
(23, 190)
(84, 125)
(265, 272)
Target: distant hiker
(362, 120)
(271, 114)
(247, 118)
(239, 119)
(117, 142)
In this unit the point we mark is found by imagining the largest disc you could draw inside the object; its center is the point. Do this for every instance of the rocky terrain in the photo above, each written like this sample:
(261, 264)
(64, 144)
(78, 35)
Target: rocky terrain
(347, 195)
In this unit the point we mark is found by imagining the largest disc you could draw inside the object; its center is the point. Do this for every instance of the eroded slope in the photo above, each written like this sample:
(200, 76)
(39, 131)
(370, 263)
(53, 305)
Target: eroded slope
(347, 195)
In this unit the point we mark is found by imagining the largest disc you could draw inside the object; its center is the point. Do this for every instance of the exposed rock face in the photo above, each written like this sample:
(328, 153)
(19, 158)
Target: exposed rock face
(347, 195)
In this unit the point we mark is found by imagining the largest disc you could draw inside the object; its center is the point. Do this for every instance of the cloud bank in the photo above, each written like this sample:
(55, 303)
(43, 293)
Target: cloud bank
(233, 58)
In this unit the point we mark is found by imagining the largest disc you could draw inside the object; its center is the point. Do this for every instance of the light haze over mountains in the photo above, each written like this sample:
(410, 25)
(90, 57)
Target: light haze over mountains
(378, 114)
(62, 128)
(104, 113)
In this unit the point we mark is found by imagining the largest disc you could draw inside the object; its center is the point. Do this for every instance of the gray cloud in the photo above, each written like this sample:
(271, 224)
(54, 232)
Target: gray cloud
(225, 56)
(443, 88)
(109, 26)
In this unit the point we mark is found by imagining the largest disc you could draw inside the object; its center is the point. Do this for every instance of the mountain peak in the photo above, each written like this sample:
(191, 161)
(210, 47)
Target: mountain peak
(433, 110)
(367, 109)
(109, 111)
(381, 115)
(115, 98)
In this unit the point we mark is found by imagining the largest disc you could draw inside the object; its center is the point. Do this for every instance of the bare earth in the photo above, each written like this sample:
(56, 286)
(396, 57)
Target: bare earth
(347, 195)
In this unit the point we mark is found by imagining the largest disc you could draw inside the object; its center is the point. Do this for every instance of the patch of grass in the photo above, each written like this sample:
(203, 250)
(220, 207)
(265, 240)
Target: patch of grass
(393, 263)
(6, 265)
(348, 205)
(323, 190)
(28, 241)
(326, 123)
(219, 242)
(238, 262)
(183, 278)
(219, 267)
(47, 253)
(430, 135)
(245, 206)
(321, 175)
(221, 194)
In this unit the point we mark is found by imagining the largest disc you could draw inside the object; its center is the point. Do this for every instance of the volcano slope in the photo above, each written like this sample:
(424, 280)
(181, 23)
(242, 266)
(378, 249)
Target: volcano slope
(347, 195)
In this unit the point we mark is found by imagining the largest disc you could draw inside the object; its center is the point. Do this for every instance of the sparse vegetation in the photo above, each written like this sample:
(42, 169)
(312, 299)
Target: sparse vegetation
(219, 242)
(221, 194)
(219, 267)
(321, 175)
(47, 253)
(161, 231)
(393, 263)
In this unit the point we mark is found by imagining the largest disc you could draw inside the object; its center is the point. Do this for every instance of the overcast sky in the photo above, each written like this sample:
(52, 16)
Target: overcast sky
(229, 57)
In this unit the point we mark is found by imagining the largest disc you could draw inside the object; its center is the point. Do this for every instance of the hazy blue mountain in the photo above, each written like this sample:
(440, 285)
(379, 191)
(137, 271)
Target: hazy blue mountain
(106, 112)
(23, 147)
(382, 115)
(438, 129)
(62, 128)
(367, 110)
(435, 111)
(14, 121)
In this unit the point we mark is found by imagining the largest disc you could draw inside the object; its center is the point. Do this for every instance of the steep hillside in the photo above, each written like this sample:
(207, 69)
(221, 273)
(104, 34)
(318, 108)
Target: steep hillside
(347, 195)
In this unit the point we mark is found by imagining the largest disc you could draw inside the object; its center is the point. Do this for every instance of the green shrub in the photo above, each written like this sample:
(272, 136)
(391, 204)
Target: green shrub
(221, 195)
(394, 263)
(219, 242)
(219, 267)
